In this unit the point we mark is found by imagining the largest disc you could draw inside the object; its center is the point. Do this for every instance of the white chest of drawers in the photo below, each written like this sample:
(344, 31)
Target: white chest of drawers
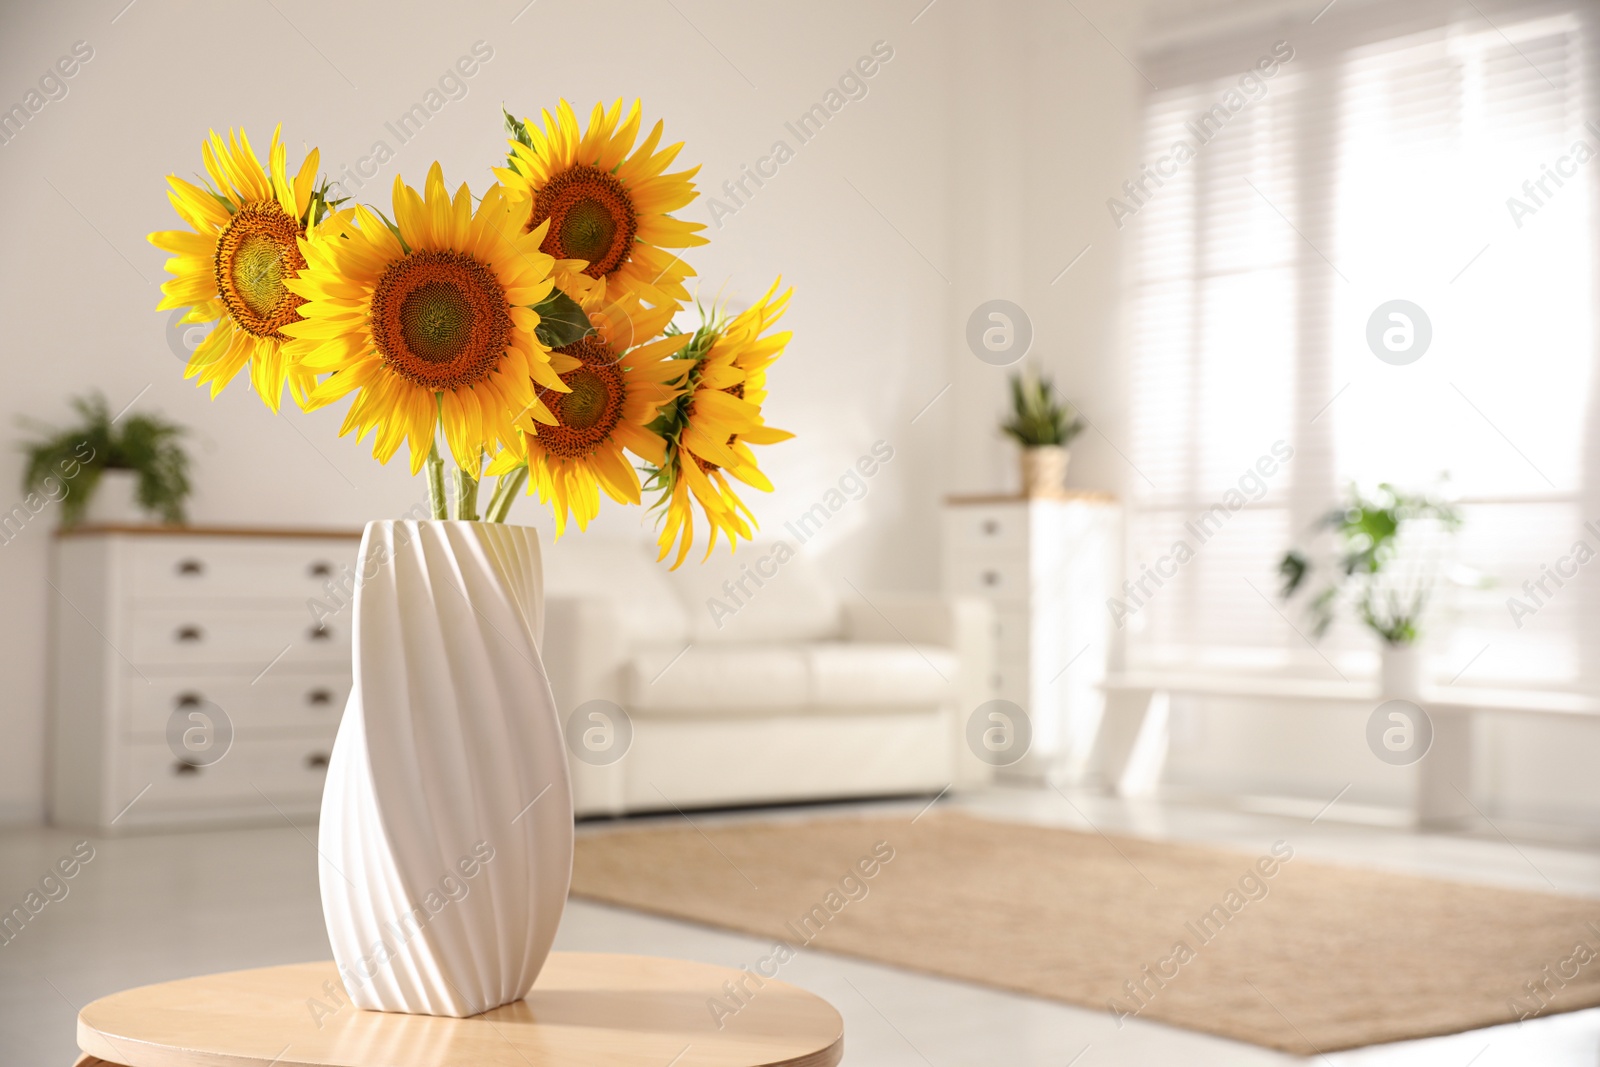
(194, 677)
(1047, 565)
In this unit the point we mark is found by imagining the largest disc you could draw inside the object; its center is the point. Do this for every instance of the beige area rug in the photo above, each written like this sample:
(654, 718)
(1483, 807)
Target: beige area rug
(1270, 949)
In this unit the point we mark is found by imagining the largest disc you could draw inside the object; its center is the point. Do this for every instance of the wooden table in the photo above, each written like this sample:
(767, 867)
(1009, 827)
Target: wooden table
(586, 1009)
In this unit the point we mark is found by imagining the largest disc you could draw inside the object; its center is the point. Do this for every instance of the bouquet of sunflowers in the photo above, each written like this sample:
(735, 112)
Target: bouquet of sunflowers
(530, 327)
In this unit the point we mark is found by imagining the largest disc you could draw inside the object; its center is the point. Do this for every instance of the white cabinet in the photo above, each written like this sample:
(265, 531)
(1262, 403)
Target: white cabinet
(198, 675)
(1048, 566)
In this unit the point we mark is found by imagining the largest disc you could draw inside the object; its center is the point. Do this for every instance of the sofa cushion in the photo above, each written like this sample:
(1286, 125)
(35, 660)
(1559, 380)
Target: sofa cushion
(717, 679)
(858, 674)
(625, 575)
(754, 680)
(764, 594)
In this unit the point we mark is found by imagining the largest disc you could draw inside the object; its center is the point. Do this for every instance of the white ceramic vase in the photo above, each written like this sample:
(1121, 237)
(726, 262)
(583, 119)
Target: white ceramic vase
(446, 834)
(115, 500)
(1401, 670)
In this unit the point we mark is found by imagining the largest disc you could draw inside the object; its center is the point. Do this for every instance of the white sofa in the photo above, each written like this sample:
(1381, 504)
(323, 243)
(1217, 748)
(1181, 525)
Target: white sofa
(772, 688)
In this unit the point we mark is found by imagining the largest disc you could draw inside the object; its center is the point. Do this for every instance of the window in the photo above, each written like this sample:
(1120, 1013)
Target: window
(1298, 181)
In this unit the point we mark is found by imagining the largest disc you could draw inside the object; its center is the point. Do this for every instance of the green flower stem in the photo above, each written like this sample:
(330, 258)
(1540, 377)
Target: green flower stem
(507, 488)
(494, 500)
(435, 471)
(466, 495)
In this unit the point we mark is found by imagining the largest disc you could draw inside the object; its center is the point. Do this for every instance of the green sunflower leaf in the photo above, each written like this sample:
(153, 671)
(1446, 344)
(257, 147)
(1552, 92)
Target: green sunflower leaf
(561, 320)
(516, 129)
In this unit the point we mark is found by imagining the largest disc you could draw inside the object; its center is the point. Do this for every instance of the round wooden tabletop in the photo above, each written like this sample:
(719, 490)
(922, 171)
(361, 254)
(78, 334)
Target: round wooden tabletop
(586, 1009)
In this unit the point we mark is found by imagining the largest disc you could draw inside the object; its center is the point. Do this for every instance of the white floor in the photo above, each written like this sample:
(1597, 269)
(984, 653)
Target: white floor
(153, 908)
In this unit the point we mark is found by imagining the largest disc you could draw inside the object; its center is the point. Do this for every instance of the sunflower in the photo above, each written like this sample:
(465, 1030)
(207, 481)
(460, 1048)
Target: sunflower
(233, 266)
(605, 206)
(741, 345)
(626, 373)
(429, 321)
(715, 426)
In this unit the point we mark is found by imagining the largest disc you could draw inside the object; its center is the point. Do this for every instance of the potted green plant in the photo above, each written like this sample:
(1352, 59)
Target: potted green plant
(1385, 567)
(110, 470)
(1044, 427)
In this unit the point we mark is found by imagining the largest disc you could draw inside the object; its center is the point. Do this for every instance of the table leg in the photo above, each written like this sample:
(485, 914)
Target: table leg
(1133, 741)
(1444, 774)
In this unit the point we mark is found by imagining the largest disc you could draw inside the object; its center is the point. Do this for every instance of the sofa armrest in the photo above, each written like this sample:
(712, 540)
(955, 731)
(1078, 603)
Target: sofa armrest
(965, 625)
(583, 653)
(582, 650)
(922, 619)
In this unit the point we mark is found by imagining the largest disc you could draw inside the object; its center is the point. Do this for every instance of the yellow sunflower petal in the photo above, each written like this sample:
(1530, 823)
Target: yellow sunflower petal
(608, 202)
(240, 263)
(424, 335)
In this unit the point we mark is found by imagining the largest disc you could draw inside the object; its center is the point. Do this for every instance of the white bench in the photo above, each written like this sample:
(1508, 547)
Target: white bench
(1133, 736)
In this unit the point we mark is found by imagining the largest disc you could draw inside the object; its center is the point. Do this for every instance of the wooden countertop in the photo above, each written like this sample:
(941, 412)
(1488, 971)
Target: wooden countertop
(153, 530)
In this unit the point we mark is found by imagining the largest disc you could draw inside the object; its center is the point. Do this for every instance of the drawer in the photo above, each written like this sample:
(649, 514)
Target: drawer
(995, 576)
(982, 529)
(1011, 631)
(280, 700)
(1010, 682)
(285, 769)
(202, 634)
(231, 568)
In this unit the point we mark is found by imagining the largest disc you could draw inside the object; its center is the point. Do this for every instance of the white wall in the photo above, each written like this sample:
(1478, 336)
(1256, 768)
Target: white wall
(979, 161)
(1049, 128)
(977, 166)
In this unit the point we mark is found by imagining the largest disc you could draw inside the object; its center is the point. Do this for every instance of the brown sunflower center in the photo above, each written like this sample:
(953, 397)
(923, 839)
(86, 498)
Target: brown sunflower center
(591, 217)
(256, 251)
(587, 415)
(436, 321)
(440, 319)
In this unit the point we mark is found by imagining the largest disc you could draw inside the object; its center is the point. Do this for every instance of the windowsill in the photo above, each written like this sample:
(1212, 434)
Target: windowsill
(1249, 685)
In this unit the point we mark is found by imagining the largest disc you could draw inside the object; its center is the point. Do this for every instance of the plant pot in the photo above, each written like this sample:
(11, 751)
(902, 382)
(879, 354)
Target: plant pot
(446, 833)
(1044, 469)
(1401, 672)
(114, 500)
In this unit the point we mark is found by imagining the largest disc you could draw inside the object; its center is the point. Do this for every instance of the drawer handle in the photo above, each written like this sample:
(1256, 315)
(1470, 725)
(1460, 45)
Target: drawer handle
(182, 767)
(190, 568)
(321, 569)
(189, 634)
(320, 696)
(991, 578)
(317, 761)
(189, 700)
(319, 633)
(991, 527)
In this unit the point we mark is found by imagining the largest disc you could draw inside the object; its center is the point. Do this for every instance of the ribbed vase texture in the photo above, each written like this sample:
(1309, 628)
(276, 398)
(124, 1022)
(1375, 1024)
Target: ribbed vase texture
(446, 831)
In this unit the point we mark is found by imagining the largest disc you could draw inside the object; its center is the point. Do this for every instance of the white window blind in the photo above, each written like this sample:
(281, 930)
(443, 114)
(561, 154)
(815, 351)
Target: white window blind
(1378, 163)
